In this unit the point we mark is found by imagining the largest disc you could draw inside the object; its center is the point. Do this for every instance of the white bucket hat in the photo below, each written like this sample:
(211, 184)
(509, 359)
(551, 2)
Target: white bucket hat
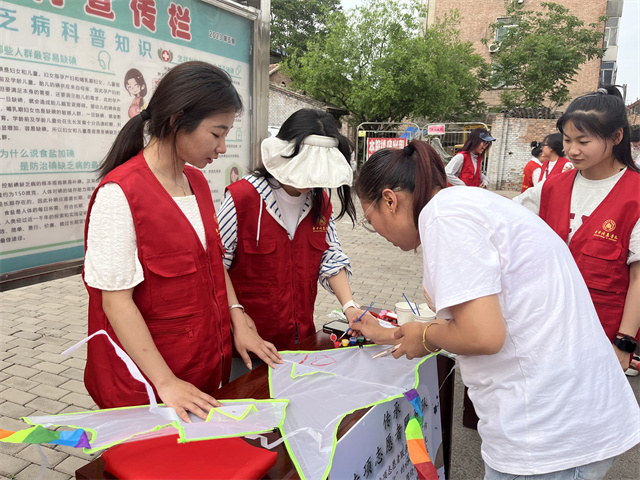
(319, 163)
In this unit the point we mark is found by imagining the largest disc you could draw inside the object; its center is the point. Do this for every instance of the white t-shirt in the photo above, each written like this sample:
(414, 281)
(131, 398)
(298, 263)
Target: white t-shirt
(290, 209)
(554, 397)
(453, 168)
(111, 262)
(585, 197)
(536, 173)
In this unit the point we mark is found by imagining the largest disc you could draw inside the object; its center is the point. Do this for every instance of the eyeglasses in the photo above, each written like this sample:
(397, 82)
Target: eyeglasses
(364, 223)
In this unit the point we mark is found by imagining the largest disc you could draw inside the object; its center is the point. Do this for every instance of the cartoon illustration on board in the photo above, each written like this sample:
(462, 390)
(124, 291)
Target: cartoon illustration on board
(234, 175)
(137, 88)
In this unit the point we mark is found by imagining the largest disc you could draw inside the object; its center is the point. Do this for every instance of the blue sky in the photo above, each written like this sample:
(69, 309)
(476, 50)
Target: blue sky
(628, 46)
(629, 49)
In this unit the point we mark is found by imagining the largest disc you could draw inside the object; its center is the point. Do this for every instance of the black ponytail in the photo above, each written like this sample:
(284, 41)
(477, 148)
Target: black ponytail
(536, 149)
(128, 143)
(416, 168)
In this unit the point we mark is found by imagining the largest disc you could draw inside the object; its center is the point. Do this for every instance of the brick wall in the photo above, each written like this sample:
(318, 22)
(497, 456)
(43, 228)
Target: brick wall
(476, 18)
(512, 151)
(283, 102)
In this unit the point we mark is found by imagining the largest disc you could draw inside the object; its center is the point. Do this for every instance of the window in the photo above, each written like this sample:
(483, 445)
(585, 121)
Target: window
(611, 32)
(504, 24)
(607, 73)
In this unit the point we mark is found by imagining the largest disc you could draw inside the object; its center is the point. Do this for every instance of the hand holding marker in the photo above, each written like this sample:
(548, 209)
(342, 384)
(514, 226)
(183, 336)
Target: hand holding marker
(357, 320)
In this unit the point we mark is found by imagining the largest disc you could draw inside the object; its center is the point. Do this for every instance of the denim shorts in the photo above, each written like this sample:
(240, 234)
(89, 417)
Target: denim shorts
(590, 471)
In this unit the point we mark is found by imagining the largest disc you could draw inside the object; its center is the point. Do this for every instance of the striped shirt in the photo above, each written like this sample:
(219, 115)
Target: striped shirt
(333, 259)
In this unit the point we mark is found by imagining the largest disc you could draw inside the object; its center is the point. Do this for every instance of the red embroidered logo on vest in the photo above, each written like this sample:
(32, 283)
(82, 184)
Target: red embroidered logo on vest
(321, 226)
(609, 226)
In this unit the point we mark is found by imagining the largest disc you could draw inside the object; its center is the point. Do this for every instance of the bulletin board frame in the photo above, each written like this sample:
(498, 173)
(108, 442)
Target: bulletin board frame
(62, 81)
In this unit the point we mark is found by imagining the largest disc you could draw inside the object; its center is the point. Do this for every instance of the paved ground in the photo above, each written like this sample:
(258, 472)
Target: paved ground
(40, 321)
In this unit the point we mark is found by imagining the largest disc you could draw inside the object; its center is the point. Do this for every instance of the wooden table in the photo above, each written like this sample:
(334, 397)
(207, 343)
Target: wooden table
(255, 384)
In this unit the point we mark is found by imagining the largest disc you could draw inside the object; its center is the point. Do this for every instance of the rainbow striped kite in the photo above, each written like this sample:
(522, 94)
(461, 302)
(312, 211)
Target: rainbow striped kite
(418, 451)
(71, 438)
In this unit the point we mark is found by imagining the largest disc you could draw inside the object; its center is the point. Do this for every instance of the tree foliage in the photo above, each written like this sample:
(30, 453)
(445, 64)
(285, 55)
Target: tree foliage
(295, 22)
(379, 63)
(539, 57)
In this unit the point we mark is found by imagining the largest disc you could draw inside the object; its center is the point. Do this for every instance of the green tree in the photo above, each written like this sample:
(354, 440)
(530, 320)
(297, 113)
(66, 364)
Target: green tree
(379, 63)
(540, 53)
(295, 22)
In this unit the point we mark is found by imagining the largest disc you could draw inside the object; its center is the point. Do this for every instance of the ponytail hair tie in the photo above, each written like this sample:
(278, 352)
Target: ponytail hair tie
(408, 150)
(603, 91)
(144, 115)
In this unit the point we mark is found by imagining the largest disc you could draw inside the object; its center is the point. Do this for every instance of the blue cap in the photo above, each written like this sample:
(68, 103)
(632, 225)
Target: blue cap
(485, 137)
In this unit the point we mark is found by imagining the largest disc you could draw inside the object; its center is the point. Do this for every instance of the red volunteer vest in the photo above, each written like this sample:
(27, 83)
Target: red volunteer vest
(183, 297)
(527, 174)
(276, 279)
(467, 174)
(557, 168)
(601, 245)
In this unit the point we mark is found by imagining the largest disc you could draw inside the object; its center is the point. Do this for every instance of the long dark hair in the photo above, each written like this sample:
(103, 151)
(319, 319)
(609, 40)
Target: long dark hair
(601, 114)
(416, 168)
(474, 140)
(536, 149)
(186, 95)
(299, 126)
(554, 142)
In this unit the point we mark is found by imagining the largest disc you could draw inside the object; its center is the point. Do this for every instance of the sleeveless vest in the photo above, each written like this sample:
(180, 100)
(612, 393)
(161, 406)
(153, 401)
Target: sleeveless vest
(467, 174)
(183, 297)
(527, 175)
(276, 279)
(601, 245)
(557, 168)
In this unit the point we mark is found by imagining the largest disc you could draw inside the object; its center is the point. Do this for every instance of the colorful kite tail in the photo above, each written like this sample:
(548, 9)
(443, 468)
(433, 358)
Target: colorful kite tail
(73, 438)
(418, 451)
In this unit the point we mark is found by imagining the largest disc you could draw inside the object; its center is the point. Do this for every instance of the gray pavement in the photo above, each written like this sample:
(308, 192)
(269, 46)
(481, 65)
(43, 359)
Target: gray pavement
(40, 321)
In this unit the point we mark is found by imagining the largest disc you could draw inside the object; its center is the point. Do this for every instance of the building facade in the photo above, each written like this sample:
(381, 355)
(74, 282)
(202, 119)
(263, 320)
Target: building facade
(476, 19)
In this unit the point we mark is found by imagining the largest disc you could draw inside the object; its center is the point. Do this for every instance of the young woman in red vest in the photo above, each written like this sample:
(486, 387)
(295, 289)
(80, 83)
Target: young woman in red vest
(277, 227)
(153, 256)
(552, 156)
(464, 168)
(596, 210)
(534, 163)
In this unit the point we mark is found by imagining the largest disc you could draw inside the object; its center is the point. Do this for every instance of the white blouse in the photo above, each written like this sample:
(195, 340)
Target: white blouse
(111, 261)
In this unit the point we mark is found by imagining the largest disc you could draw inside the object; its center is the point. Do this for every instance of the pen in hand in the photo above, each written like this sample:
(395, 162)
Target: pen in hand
(386, 352)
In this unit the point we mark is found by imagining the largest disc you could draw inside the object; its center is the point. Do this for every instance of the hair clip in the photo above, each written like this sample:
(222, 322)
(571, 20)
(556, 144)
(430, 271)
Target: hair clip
(603, 91)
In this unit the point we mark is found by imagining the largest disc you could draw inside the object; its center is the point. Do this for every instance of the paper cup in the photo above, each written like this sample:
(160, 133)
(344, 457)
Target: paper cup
(404, 312)
(426, 314)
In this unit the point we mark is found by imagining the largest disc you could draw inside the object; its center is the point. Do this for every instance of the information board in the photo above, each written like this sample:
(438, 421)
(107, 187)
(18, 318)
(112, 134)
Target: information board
(72, 74)
(376, 448)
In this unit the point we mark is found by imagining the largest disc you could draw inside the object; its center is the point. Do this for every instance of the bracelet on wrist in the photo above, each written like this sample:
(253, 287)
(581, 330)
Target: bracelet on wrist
(236, 305)
(348, 305)
(424, 338)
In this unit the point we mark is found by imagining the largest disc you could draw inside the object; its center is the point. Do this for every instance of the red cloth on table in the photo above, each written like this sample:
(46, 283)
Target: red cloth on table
(165, 458)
